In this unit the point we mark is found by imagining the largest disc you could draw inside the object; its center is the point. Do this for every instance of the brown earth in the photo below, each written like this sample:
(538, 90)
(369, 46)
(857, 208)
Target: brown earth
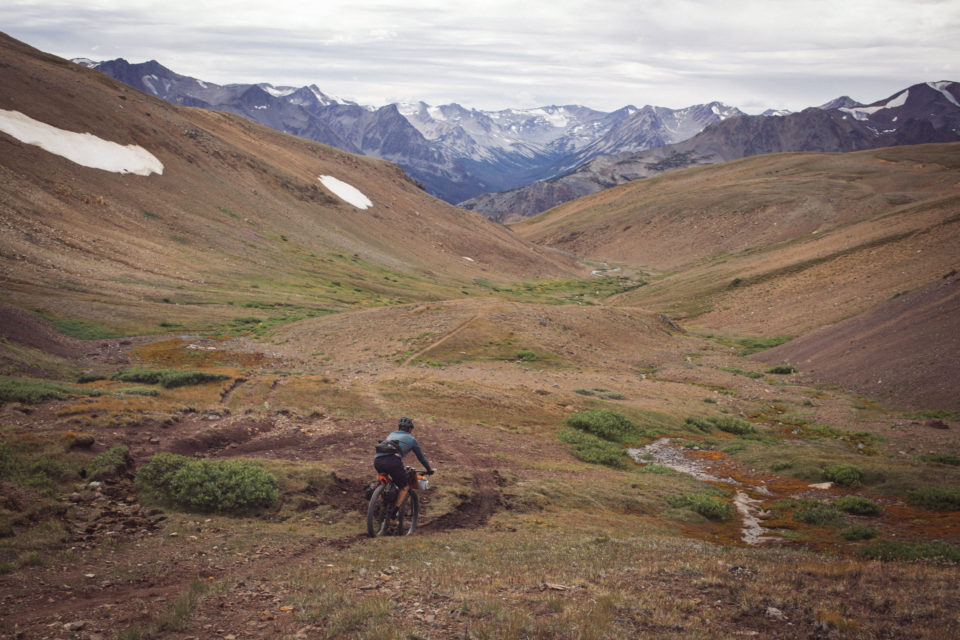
(127, 564)
(905, 352)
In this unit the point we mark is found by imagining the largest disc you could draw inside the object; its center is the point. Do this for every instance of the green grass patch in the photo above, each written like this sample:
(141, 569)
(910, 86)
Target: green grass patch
(527, 355)
(708, 506)
(590, 448)
(898, 550)
(83, 329)
(605, 424)
(935, 498)
(941, 458)
(30, 391)
(859, 531)
(741, 372)
(756, 345)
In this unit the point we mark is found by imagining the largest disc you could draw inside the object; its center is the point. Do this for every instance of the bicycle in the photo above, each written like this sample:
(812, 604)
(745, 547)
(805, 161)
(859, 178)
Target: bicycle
(383, 499)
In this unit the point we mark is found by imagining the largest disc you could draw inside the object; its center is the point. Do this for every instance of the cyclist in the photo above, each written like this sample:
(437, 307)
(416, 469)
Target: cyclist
(391, 464)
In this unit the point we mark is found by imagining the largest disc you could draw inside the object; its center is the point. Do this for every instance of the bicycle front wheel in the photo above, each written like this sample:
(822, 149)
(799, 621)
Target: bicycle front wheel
(409, 513)
(378, 512)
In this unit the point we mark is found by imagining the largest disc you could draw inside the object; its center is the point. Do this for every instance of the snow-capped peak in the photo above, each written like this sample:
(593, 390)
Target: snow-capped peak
(942, 88)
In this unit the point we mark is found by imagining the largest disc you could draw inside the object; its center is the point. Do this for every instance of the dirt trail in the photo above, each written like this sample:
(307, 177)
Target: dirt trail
(437, 343)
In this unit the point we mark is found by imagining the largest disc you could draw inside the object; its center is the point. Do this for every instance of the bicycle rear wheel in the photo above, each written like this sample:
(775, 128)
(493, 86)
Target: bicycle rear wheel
(378, 512)
(409, 513)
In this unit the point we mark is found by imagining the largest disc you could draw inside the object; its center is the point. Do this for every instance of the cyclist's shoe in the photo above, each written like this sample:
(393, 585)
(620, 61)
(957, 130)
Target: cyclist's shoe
(394, 512)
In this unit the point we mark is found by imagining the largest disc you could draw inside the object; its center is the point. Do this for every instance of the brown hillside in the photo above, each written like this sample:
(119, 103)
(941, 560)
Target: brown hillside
(237, 204)
(676, 220)
(905, 351)
(775, 245)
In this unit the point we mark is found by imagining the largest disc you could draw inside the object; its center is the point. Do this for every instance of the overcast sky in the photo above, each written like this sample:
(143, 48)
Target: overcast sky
(494, 54)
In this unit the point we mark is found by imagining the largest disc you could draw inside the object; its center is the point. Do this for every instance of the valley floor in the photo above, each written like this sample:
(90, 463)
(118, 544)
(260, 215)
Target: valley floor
(521, 536)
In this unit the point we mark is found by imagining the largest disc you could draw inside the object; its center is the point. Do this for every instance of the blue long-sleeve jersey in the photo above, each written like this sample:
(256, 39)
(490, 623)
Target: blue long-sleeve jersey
(407, 444)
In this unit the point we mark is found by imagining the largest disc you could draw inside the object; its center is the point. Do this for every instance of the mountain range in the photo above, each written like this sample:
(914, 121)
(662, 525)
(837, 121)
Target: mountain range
(923, 113)
(455, 152)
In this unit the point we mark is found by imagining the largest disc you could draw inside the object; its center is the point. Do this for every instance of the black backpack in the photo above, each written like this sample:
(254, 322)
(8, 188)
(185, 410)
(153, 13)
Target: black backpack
(389, 446)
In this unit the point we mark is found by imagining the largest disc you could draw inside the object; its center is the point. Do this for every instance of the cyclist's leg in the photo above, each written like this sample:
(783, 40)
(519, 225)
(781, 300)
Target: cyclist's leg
(393, 466)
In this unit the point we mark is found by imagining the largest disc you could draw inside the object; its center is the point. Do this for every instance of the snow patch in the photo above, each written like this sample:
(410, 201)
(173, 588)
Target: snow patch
(862, 113)
(277, 92)
(942, 88)
(84, 149)
(346, 192)
(466, 258)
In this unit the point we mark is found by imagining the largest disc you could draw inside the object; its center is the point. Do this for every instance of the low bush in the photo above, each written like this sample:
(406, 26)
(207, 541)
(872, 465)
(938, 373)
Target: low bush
(224, 486)
(941, 458)
(859, 531)
(781, 465)
(605, 424)
(109, 462)
(816, 512)
(590, 448)
(733, 425)
(697, 424)
(857, 505)
(729, 424)
(526, 355)
(782, 369)
(897, 550)
(168, 378)
(844, 475)
(936, 498)
(710, 507)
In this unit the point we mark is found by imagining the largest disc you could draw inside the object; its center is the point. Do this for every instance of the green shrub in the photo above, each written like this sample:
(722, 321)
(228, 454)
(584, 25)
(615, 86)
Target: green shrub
(224, 486)
(733, 425)
(844, 475)
(605, 424)
(90, 377)
(527, 355)
(816, 512)
(782, 369)
(781, 465)
(859, 531)
(710, 507)
(139, 391)
(697, 424)
(936, 498)
(941, 458)
(584, 392)
(857, 505)
(613, 395)
(154, 477)
(111, 461)
(168, 378)
(897, 550)
(590, 448)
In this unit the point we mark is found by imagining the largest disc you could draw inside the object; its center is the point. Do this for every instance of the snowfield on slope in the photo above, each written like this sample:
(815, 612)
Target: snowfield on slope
(346, 192)
(84, 149)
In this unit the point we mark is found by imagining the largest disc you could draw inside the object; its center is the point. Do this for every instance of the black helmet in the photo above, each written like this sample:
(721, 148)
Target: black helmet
(405, 424)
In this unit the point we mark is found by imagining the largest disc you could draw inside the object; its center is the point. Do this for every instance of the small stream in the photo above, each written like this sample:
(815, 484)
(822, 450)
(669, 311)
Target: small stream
(664, 453)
